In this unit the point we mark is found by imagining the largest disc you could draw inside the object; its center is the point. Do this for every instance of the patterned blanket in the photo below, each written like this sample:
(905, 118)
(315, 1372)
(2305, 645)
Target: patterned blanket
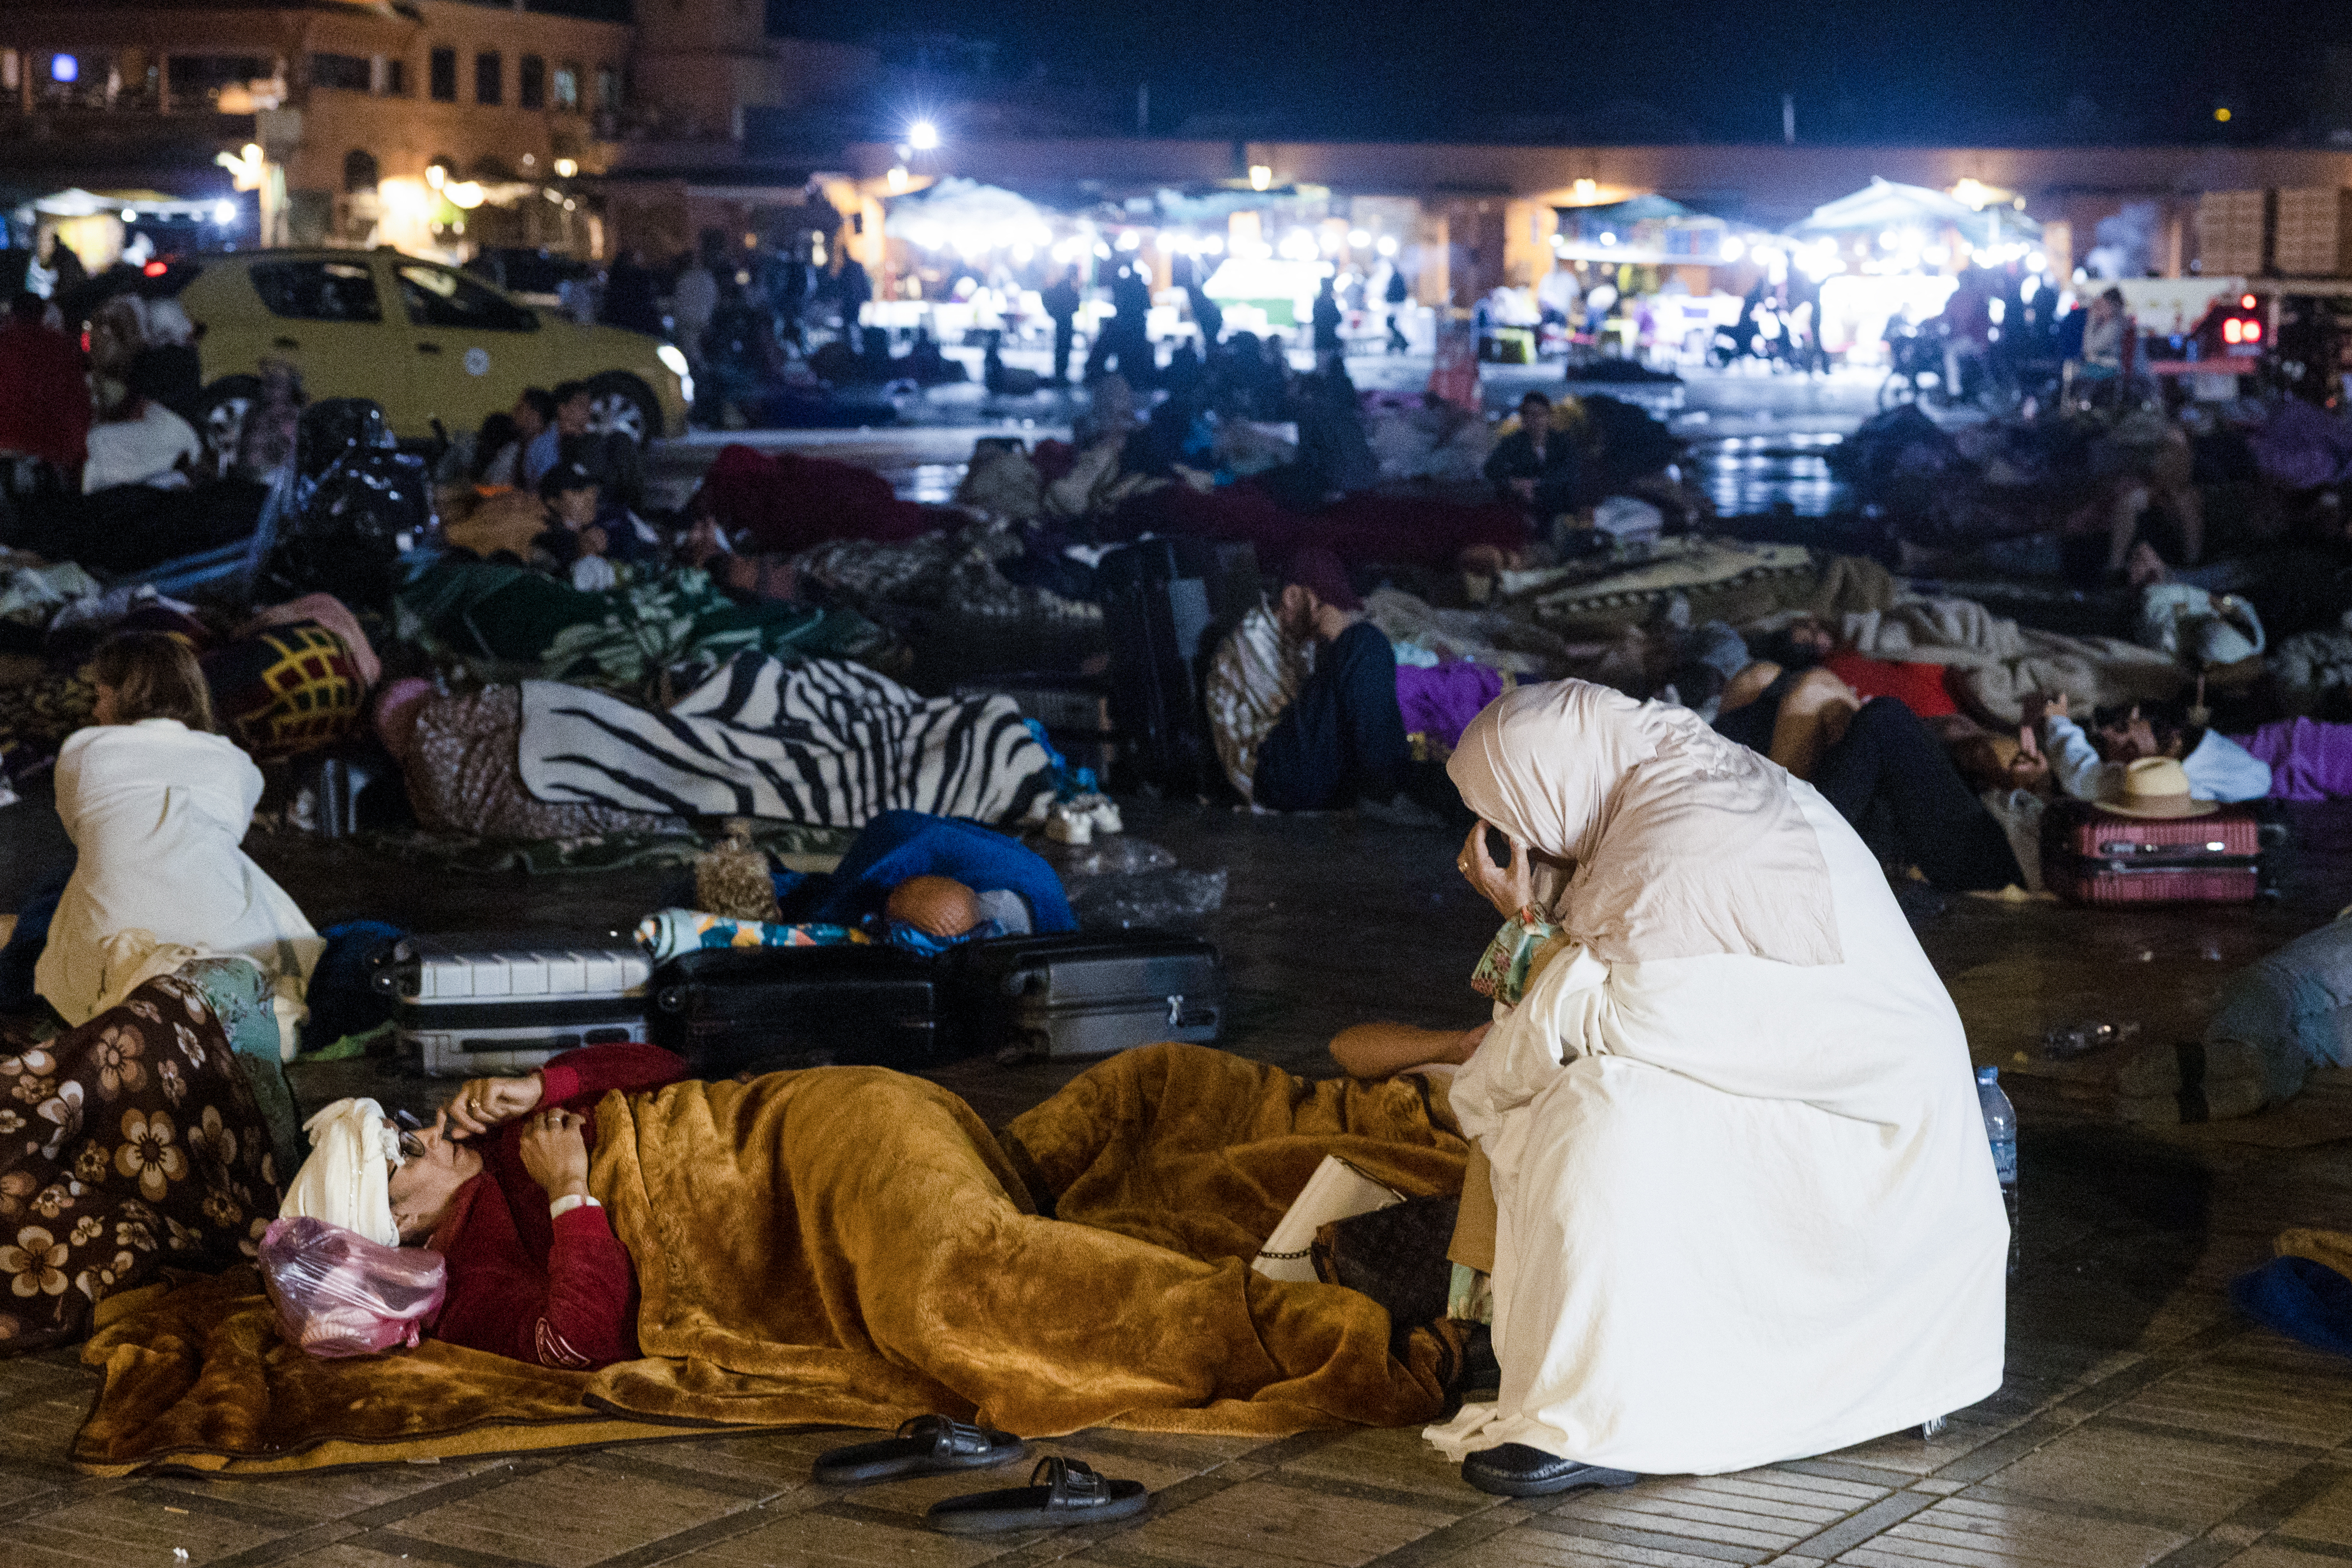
(822, 743)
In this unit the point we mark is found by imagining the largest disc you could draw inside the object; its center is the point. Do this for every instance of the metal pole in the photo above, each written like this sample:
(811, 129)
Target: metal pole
(1788, 118)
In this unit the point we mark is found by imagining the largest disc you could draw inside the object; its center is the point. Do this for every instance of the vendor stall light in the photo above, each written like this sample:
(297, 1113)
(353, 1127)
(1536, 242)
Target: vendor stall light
(1261, 177)
(569, 204)
(923, 136)
(436, 175)
(1889, 239)
(64, 67)
(566, 167)
(1608, 236)
(1730, 251)
(1215, 245)
(224, 214)
(1102, 251)
(464, 193)
(2220, 115)
(1586, 189)
(1299, 245)
(897, 179)
(1129, 240)
(1936, 255)
(1358, 238)
(1387, 246)
(2037, 262)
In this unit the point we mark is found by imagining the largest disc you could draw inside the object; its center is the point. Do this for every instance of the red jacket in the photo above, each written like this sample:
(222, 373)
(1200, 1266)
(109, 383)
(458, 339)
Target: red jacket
(559, 1293)
(43, 398)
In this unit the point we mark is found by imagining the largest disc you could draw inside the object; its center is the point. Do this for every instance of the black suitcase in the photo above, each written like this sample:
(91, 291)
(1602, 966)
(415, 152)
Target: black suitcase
(764, 1009)
(1087, 994)
(1166, 604)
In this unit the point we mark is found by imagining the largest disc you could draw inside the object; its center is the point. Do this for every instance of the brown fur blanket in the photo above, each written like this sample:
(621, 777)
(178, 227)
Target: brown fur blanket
(851, 1245)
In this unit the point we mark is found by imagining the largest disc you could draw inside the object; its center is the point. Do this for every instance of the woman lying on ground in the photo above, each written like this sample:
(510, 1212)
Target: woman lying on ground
(156, 806)
(1875, 762)
(1745, 1208)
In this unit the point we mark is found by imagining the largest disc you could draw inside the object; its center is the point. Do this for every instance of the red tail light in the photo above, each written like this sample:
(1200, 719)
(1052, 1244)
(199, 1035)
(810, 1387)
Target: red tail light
(2253, 333)
(154, 270)
(2233, 331)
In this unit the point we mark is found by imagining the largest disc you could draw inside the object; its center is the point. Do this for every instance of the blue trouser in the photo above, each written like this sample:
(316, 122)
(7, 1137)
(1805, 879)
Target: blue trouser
(1342, 739)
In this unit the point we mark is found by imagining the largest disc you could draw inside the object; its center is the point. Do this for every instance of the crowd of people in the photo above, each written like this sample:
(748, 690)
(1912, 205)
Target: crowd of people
(1694, 774)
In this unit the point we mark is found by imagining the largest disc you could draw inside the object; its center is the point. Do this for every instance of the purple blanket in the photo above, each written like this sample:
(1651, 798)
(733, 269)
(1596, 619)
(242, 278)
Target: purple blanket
(1439, 701)
(2309, 760)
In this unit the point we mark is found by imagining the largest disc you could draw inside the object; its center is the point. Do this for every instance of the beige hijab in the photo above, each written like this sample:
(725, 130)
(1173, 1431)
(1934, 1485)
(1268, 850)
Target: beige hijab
(1685, 844)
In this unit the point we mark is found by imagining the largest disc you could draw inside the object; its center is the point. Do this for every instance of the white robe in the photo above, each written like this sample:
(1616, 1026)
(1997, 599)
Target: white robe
(1746, 1209)
(157, 811)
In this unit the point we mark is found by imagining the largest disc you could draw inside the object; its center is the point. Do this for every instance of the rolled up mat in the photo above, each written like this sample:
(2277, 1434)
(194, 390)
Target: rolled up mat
(666, 933)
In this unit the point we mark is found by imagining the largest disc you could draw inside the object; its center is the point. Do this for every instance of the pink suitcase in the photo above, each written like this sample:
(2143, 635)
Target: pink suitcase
(2094, 856)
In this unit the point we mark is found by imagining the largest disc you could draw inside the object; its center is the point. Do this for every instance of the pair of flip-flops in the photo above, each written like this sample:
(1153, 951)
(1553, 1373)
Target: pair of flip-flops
(1060, 1492)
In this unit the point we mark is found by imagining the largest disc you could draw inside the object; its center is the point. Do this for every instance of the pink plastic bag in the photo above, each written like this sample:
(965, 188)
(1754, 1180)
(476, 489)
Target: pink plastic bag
(339, 1294)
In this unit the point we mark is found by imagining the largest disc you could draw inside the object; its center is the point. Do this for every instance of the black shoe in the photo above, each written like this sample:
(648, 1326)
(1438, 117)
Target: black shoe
(1517, 1470)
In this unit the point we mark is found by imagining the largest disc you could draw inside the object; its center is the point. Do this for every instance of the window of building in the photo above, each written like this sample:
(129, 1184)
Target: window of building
(531, 82)
(608, 87)
(436, 297)
(392, 76)
(444, 73)
(567, 84)
(318, 290)
(12, 65)
(198, 80)
(490, 78)
(353, 73)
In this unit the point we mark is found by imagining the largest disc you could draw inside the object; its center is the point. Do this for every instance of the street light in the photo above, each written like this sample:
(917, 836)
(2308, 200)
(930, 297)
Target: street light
(1261, 177)
(923, 136)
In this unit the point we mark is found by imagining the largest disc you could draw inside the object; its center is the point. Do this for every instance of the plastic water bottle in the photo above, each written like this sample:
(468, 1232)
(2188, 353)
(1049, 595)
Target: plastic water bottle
(2001, 1127)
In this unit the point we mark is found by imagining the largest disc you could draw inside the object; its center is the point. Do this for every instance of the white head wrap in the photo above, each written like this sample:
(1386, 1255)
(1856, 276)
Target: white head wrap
(1685, 844)
(346, 1180)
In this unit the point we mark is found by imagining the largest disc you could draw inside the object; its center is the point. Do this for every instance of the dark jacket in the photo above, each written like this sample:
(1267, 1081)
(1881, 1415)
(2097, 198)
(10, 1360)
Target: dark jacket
(1556, 471)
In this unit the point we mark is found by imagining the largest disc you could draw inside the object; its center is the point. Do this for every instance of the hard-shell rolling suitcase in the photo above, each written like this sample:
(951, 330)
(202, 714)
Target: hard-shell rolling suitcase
(762, 1009)
(2094, 856)
(474, 1006)
(1089, 993)
(1167, 603)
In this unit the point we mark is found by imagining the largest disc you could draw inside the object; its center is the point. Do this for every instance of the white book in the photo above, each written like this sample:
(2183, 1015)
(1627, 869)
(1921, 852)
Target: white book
(1336, 1190)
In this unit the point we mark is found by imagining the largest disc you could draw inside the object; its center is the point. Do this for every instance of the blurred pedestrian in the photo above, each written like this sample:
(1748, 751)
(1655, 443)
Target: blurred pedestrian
(1061, 301)
(1395, 295)
(1327, 317)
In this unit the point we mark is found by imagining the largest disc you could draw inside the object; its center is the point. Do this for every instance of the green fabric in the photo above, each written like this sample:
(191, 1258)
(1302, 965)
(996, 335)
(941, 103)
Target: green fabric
(350, 1046)
(514, 621)
(240, 995)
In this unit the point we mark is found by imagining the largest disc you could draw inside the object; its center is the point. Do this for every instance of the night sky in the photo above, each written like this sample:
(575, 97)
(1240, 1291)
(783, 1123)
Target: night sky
(1863, 70)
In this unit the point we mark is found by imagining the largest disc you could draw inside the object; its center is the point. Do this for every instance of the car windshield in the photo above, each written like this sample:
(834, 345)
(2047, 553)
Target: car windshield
(436, 297)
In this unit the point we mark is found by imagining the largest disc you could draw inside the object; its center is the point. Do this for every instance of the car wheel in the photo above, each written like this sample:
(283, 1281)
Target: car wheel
(620, 405)
(227, 403)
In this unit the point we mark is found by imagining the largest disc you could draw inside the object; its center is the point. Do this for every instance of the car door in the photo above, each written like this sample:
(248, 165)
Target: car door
(468, 351)
(325, 316)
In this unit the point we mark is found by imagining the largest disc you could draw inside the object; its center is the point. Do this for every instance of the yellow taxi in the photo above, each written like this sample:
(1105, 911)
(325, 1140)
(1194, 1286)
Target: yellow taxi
(425, 341)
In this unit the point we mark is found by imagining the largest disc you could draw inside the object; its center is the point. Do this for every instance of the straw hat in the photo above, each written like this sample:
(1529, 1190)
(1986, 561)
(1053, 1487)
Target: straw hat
(2156, 786)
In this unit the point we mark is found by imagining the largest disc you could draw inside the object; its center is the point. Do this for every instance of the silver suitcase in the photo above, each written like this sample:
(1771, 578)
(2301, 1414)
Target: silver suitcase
(495, 1006)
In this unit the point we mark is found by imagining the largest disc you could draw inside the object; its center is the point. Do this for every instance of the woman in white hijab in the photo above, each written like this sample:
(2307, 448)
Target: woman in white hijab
(1745, 1208)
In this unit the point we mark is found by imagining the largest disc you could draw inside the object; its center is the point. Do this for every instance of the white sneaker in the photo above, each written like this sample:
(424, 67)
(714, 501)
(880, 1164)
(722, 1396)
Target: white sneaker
(1068, 826)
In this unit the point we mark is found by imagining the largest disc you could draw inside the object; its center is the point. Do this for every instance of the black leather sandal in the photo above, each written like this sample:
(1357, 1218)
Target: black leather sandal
(926, 1446)
(1515, 1469)
(1060, 1492)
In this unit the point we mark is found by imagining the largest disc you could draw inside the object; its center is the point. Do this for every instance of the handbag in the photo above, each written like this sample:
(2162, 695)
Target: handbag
(1396, 1256)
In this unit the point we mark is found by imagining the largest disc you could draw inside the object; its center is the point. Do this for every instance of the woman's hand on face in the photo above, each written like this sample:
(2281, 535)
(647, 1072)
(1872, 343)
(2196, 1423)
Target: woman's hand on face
(486, 1103)
(1510, 888)
(554, 1150)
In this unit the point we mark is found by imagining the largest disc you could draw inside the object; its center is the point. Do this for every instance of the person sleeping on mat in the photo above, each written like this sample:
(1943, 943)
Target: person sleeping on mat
(499, 1186)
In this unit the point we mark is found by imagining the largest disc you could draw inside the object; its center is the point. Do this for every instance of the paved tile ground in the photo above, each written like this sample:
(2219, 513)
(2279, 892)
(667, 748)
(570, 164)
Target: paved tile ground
(2141, 1422)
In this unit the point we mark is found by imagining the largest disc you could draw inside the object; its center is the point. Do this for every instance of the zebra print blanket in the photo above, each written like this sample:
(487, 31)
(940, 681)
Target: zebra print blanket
(820, 742)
